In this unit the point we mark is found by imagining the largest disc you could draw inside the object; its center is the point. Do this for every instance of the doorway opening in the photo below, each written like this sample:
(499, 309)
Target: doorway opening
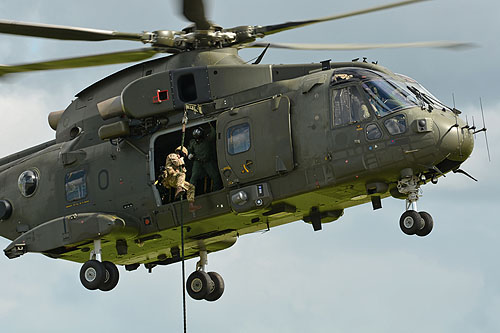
(201, 162)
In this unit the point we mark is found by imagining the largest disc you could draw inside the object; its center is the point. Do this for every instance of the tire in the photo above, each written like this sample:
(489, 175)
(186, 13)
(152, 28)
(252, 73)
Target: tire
(111, 276)
(410, 222)
(199, 284)
(428, 224)
(92, 274)
(218, 289)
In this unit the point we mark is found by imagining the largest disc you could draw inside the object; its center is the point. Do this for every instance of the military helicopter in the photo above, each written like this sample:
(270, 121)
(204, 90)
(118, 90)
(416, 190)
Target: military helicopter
(292, 142)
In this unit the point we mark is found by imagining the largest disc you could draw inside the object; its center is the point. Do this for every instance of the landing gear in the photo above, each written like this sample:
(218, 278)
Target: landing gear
(202, 285)
(413, 222)
(95, 274)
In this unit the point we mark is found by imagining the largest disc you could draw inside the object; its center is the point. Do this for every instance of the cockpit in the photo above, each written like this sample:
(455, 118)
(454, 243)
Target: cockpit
(357, 93)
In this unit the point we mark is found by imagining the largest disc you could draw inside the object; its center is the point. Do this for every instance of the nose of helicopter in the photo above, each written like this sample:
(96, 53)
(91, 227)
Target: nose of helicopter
(455, 139)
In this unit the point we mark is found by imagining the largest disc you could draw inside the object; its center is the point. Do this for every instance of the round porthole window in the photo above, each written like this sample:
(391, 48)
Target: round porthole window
(28, 182)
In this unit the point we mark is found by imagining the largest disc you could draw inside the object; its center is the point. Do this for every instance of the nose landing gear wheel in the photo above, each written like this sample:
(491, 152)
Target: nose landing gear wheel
(428, 224)
(218, 290)
(92, 274)
(199, 285)
(411, 222)
(111, 276)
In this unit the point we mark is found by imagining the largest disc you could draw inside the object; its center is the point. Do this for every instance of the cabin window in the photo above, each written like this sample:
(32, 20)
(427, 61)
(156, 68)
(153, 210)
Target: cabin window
(238, 139)
(76, 185)
(28, 182)
(348, 106)
(396, 125)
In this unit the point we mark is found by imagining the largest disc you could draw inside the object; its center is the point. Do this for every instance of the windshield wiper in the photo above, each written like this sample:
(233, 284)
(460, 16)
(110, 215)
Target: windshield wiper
(424, 99)
(437, 102)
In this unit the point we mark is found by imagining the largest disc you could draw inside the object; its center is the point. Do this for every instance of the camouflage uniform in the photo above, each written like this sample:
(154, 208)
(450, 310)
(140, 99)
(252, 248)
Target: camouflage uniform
(204, 162)
(174, 175)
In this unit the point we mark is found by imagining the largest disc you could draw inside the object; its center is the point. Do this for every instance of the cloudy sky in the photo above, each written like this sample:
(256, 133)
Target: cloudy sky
(360, 273)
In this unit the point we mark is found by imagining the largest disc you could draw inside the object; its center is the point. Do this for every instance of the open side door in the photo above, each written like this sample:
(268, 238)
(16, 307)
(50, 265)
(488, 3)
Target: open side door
(254, 141)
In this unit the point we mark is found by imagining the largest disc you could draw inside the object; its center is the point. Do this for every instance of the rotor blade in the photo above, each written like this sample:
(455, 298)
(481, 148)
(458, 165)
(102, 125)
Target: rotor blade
(348, 47)
(86, 61)
(65, 32)
(194, 11)
(272, 29)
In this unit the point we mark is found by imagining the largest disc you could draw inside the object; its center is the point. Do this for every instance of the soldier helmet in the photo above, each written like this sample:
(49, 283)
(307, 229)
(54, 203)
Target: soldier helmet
(198, 133)
(181, 149)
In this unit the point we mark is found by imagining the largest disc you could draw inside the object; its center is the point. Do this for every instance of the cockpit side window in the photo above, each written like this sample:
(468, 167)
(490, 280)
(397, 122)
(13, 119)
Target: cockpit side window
(396, 125)
(348, 105)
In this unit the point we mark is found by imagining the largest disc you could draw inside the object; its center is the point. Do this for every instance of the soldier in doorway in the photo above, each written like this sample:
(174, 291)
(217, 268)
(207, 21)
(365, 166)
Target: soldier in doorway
(202, 153)
(174, 176)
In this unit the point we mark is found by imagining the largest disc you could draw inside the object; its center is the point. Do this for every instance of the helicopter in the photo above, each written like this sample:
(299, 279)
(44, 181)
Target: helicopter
(293, 142)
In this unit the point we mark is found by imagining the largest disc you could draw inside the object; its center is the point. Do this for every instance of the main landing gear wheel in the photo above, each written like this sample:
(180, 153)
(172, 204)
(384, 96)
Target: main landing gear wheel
(218, 289)
(92, 274)
(199, 285)
(111, 278)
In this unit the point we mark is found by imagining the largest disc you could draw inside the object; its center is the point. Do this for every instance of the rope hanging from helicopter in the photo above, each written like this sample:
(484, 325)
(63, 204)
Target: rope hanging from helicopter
(184, 123)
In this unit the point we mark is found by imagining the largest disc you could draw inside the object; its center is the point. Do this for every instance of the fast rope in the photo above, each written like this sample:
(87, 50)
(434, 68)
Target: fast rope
(183, 270)
(184, 123)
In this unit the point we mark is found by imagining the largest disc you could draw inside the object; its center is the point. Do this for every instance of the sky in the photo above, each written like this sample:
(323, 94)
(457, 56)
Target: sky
(360, 273)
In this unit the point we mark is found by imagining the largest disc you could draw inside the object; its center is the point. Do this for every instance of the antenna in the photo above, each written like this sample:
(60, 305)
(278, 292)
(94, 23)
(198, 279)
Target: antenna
(261, 56)
(467, 127)
(484, 129)
(456, 124)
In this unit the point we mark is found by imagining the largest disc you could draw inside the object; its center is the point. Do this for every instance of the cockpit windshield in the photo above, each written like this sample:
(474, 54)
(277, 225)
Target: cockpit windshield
(421, 93)
(384, 94)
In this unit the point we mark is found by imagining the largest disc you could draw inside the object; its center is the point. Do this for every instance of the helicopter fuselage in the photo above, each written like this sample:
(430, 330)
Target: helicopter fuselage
(293, 142)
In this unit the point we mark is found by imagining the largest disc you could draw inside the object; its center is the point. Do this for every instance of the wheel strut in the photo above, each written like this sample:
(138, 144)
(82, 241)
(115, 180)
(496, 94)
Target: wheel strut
(411, 187)
(203, 262)
(96, 253)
